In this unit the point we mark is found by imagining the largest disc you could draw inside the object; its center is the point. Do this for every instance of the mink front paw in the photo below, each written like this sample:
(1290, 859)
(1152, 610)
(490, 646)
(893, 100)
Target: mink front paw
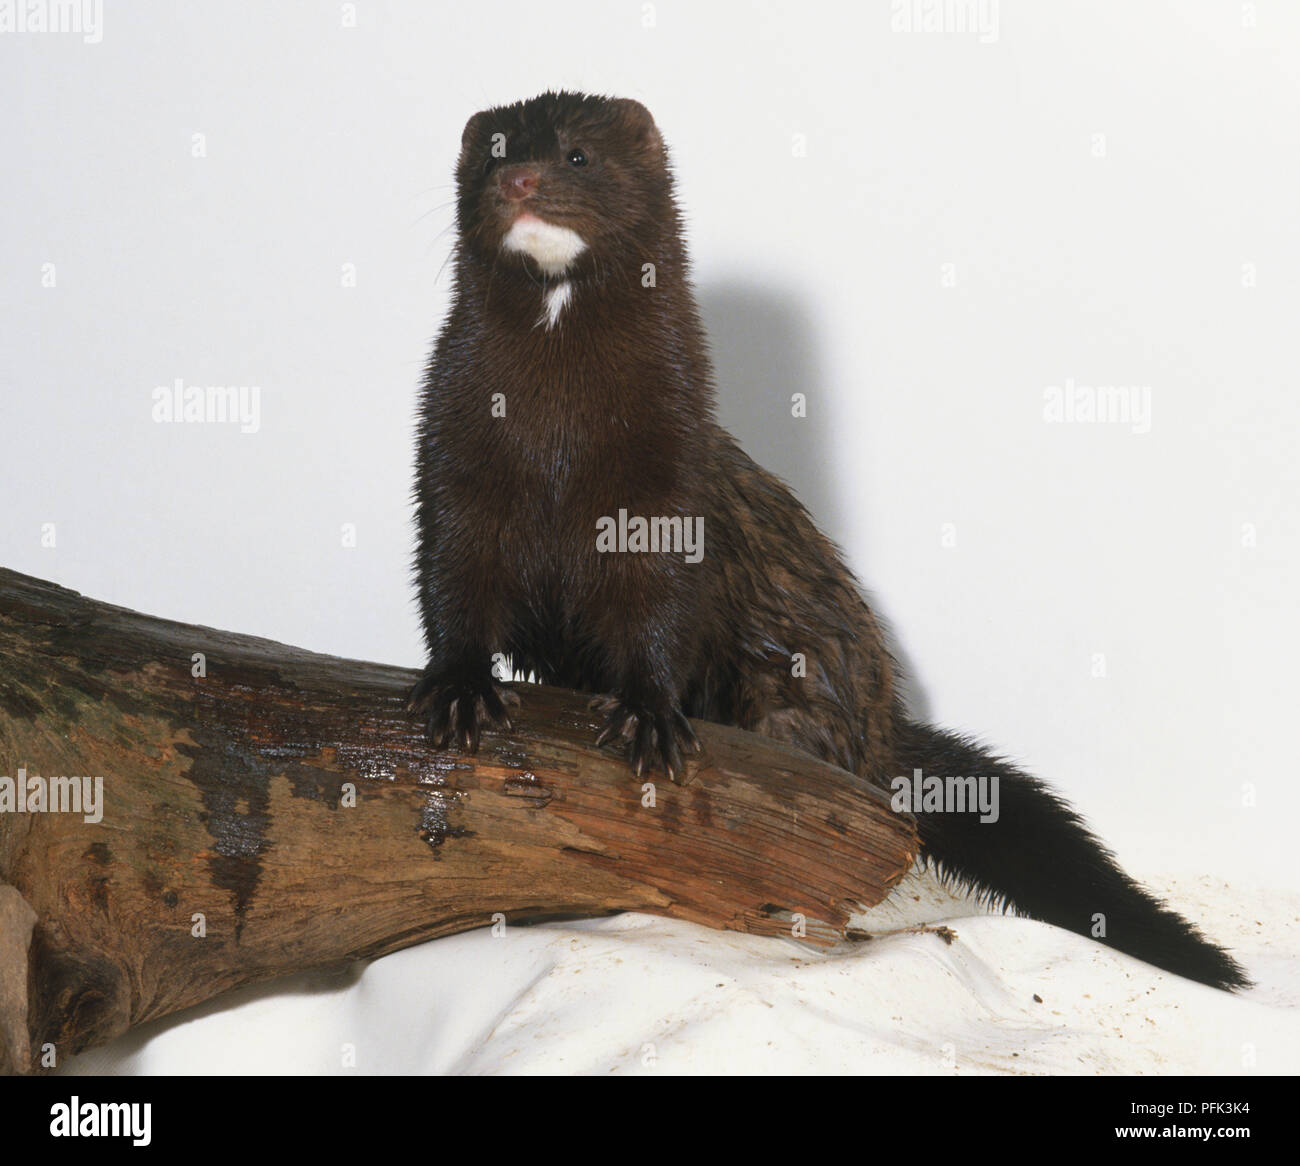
(457, 709)
(653, 736)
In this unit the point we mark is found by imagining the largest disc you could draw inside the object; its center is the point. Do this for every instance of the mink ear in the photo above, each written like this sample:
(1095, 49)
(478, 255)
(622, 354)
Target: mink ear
(639, 120)
(473, 128)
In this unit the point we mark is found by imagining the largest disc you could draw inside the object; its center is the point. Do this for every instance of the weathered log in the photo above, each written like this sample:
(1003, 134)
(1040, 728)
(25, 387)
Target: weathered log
(264, 809)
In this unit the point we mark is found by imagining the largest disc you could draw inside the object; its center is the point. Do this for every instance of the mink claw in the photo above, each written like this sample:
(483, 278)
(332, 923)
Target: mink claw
(653, 739)
(457, 712)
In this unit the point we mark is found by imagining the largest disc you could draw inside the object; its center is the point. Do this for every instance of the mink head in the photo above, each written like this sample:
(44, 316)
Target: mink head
(564, 185)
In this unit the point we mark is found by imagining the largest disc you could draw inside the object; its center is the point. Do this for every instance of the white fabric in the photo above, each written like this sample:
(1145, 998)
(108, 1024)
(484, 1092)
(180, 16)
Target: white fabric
(639, 994)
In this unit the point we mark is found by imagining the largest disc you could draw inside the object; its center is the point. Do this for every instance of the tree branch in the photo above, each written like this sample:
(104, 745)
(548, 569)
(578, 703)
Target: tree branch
(274, 810)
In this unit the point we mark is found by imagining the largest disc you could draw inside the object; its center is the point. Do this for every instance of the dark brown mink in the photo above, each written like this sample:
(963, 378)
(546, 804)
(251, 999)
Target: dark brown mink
(571, 382)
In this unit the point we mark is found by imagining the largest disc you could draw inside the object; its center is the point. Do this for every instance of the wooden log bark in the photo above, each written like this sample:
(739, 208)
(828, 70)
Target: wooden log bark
(266, 809)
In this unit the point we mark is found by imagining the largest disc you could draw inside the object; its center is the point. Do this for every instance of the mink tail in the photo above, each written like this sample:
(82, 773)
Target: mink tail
(1039, 859)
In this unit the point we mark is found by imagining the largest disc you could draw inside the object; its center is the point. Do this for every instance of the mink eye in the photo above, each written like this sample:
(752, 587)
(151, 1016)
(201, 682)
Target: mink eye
(577, 157)
(488, 163)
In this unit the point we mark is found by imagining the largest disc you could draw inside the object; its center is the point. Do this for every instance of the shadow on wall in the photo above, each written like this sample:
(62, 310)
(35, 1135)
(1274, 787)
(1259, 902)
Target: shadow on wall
(765, 350)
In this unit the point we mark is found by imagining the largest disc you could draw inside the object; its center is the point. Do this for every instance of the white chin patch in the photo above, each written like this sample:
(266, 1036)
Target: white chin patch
(553, 248)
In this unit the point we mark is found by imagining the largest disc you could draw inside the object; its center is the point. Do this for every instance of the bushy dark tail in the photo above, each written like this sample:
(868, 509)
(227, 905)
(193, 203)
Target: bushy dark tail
(1040, 859)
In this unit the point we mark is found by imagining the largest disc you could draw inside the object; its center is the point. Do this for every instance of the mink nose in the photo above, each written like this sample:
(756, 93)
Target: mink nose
(518, 182)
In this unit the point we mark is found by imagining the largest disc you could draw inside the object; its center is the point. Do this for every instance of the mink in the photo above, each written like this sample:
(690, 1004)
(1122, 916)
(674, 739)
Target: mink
(570, 393)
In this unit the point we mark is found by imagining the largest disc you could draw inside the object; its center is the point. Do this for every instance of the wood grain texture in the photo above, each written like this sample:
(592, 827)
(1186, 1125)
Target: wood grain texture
(287, 800)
